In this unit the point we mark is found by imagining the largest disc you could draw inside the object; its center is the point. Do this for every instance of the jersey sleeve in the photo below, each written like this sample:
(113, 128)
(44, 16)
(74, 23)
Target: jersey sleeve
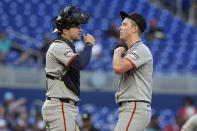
(138, 57)
(64, 54)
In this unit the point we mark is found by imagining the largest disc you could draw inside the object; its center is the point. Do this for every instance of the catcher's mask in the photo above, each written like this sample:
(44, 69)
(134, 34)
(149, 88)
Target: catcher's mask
(70, 16)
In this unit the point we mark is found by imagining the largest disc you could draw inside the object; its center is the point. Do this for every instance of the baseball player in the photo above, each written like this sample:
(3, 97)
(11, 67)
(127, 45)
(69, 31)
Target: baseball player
(135, 67)
(191, 124)
(63, 67)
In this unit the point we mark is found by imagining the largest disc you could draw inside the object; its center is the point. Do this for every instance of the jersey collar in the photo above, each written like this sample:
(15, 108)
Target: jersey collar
(65, 40)
(135, 44)
(69, 43)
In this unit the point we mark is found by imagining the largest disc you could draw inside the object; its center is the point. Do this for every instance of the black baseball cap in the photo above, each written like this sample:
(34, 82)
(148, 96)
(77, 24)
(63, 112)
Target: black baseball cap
(137, 18)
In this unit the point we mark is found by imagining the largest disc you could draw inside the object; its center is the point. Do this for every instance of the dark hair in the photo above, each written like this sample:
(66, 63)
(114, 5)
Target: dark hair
(189, 100)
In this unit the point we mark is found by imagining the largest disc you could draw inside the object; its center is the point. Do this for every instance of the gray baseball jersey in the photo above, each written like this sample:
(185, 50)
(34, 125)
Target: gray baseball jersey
(59, 110)
(58, 58)
(136, 84)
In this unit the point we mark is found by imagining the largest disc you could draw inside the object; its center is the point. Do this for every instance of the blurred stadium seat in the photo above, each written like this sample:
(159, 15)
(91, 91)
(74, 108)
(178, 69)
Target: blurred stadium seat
(33, 18)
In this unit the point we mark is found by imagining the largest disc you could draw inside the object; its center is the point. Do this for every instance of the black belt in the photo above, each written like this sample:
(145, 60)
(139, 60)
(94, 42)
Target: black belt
(121, 103)
(53, 77)
(65, 100)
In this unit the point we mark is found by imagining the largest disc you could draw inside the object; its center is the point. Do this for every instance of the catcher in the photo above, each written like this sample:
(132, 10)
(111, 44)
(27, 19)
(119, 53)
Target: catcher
(63, 67)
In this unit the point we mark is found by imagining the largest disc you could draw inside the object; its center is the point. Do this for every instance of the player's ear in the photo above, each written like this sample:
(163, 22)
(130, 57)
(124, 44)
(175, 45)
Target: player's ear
(135, 29)
(65, 31)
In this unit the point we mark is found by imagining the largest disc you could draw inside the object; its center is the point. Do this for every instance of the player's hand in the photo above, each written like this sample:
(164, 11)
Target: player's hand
(120, 50)
(89, 39)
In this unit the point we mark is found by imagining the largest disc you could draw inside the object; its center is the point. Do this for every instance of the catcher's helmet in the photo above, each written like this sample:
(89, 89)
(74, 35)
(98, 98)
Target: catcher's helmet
(70, 16)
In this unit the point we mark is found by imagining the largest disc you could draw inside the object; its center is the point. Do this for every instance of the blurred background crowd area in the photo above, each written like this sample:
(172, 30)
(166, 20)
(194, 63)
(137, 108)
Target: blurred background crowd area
(26, 28)
(20, 110)
(26, 34)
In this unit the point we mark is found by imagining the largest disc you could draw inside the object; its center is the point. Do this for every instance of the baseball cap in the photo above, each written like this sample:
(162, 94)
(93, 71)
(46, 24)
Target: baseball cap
(137, 18)
(86, 116)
